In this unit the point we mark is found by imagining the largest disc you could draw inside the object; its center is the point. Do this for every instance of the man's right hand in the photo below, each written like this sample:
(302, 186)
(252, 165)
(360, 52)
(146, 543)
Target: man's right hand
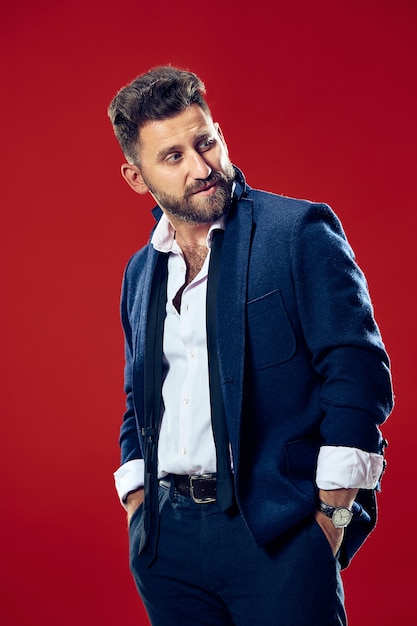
(133, 502)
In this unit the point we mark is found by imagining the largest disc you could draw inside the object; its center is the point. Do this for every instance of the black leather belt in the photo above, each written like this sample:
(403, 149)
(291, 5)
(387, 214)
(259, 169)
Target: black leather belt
(201, 488)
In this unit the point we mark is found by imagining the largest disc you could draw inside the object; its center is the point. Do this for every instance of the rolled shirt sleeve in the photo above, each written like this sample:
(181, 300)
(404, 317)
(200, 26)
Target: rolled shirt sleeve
(340, 467)
(128, 477)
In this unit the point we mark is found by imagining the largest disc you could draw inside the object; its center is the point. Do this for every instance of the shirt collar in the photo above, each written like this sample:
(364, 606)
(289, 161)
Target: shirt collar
(163, 238)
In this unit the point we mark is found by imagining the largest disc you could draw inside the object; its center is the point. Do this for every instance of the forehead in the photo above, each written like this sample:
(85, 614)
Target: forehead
(179, 130)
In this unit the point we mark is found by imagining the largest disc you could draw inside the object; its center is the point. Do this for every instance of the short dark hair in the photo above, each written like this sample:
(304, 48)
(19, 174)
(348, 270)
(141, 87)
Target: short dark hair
(158, 94)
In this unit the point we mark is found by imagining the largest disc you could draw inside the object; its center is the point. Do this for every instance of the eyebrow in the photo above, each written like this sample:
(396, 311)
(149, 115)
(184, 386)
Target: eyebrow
(161, 154)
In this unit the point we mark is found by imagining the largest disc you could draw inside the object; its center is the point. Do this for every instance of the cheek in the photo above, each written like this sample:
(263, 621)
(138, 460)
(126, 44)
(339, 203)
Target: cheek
(171, 184)
(223, 160)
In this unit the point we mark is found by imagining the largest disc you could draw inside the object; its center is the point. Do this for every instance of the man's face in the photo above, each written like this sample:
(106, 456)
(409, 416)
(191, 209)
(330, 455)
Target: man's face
(184, 164)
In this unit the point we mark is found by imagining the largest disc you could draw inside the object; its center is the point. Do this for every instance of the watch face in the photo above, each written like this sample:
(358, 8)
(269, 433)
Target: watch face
(341, 517)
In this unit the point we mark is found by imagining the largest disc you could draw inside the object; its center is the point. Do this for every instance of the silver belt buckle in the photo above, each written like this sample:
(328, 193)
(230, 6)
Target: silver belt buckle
(200, 477)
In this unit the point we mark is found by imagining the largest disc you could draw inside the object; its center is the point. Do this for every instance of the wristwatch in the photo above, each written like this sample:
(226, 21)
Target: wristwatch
(340, 515)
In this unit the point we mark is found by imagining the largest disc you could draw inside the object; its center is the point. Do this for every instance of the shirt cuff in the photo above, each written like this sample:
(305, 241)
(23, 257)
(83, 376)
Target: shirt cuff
(339, 467)
(129, 477)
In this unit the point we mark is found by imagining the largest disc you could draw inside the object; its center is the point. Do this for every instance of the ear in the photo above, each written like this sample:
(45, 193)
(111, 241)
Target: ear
(133, 177)
(220, 133)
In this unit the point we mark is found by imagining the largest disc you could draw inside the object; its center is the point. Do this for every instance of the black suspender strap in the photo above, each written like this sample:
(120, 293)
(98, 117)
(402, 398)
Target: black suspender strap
(224, 493)
(153, 390)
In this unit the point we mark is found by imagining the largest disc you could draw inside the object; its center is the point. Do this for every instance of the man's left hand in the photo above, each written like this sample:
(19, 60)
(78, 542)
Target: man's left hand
(334, 535)
(336, 497)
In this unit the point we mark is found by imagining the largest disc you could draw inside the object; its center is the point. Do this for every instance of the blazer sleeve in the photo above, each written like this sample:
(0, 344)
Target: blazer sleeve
(340, 331)
(129, 440)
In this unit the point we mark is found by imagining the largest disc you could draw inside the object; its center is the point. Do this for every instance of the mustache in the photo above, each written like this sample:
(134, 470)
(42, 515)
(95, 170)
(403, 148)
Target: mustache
(212, 178)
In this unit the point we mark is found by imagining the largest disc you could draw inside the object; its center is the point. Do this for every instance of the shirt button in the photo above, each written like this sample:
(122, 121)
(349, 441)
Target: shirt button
(184, 450)
(186, 399)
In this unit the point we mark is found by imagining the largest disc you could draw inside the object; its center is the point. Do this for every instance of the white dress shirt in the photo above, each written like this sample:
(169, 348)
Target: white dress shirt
(186, 444)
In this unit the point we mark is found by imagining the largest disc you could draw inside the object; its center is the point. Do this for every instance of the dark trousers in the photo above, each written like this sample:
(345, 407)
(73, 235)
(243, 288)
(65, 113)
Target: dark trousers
(210, 572)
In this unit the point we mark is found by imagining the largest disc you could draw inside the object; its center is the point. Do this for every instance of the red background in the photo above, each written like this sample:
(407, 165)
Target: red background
(316, 99)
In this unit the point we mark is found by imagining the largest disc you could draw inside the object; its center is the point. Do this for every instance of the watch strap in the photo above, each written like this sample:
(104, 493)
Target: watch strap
(327, 509)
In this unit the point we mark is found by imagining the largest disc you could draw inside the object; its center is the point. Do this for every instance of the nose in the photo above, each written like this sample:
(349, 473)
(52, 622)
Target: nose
(198, 166)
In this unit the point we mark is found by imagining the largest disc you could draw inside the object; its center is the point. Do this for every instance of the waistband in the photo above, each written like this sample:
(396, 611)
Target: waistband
(201, 488)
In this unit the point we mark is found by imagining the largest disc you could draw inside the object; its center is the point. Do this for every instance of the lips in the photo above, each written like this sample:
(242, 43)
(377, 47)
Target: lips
(205, 188)
(213, 180)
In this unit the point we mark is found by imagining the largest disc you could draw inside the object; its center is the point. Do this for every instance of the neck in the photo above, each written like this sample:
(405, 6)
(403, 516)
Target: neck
(191, 236)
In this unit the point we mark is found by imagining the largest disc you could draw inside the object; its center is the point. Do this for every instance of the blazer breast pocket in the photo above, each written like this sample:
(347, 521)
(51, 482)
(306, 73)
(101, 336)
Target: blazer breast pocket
(271, 337)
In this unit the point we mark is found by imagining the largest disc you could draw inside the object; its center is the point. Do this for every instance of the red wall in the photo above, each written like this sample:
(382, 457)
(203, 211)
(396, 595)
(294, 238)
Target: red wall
(316, 99)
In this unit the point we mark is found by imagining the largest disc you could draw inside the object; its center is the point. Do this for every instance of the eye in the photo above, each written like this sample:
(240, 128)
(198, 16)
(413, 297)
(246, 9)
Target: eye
(206, 144)
(173, 158)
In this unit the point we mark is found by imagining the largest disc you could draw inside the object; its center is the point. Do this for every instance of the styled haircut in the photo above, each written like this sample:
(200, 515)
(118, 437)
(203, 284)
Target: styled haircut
(160, 93)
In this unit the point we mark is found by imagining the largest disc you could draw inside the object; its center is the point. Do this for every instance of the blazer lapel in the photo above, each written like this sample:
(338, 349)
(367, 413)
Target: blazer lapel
(231, 313)
(140, 329)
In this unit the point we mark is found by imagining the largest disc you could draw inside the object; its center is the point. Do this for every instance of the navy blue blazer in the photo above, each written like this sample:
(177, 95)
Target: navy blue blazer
(301, 359)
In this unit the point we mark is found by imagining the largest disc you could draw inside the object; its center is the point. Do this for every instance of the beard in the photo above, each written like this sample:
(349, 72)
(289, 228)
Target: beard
(193, 209)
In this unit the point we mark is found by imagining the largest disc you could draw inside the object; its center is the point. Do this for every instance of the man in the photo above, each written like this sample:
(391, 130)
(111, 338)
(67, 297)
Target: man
(255, 376)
